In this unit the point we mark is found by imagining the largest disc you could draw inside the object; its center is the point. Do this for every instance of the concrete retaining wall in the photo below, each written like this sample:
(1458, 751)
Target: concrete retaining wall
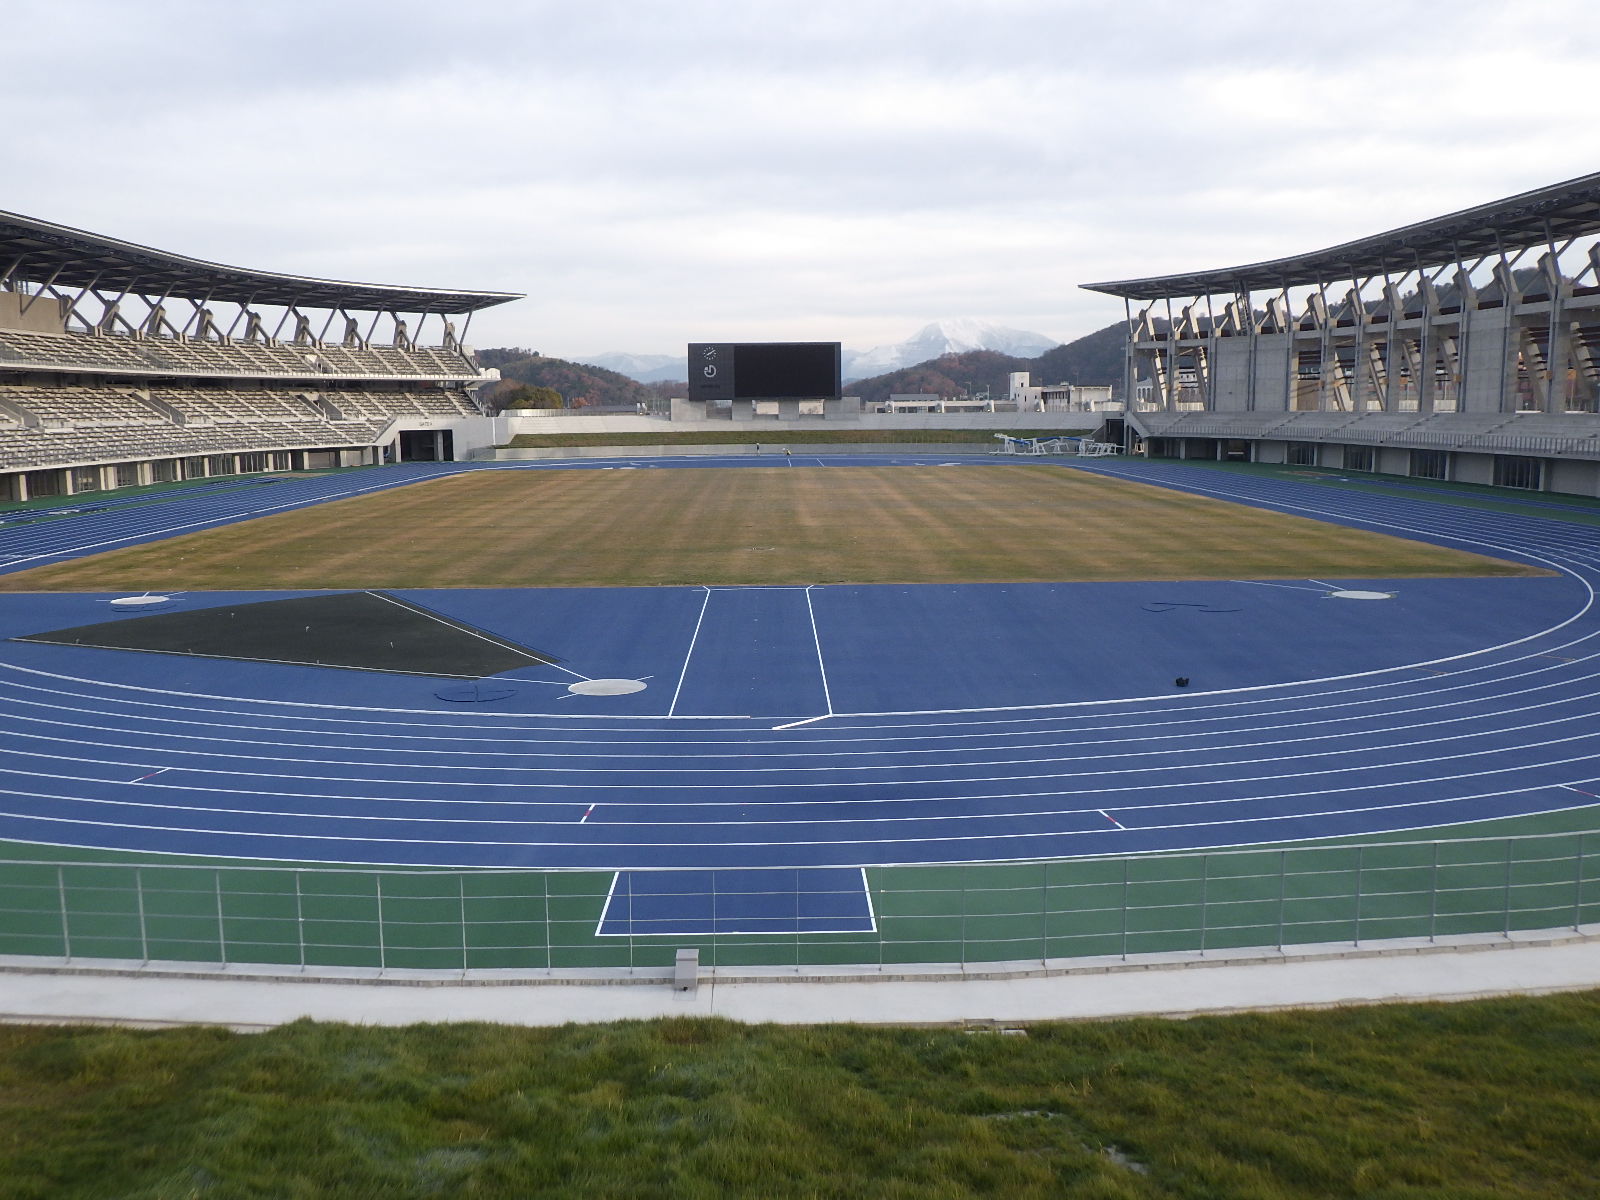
(1004, 422)
(767, 450)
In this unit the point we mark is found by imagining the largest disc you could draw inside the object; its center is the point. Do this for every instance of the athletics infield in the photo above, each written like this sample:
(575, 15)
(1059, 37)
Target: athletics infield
(800, 762)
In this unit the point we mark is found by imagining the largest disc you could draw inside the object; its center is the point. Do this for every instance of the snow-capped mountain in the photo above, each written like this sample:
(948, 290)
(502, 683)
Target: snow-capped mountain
(646, 368)
(952, 336)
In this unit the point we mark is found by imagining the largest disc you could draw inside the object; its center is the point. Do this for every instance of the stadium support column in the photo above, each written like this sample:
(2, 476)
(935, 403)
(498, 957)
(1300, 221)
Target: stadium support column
(1360, 369)
(1559, 343)
(1286, 325)
(1249, 305)
(70, 312)
(1391, 370)
(1317, 302)
(5, 276)
(1127, 356)
(1510, 299)
(47, 288)
(1466, 314)
(1209, 386)
(1427, 338)
(1169, 376)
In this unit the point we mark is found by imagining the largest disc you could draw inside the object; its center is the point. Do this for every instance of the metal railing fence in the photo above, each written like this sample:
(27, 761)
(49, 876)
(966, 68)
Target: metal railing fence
(301, 919)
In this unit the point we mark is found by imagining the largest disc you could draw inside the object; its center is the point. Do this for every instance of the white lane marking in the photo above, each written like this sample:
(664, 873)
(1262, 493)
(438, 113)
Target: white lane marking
(1063, 707)
(1070, 745)
(1293, 587)
(807, 721)
(1057, 793)
(605, 909)
(1050, 718)
(822, 667)
(274, 662)
(921, 839)
(1070, 752)
(1049, 724)
(689, 653)
(441, 619)
(872, 912)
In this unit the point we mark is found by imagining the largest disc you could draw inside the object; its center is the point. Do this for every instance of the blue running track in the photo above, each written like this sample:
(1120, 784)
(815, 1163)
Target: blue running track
(827, 727)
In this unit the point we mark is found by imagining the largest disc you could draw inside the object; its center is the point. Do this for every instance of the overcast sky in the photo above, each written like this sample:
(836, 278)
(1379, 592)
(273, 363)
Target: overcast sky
(652, 172)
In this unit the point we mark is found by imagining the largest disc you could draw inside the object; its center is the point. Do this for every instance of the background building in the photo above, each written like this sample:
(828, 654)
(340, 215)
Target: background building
(1059, 397)
(122, 365)
(1463, 347)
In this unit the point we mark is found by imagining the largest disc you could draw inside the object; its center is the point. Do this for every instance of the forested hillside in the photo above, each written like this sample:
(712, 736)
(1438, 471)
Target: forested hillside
(578, 386)
(1094, 358)
(947, 375)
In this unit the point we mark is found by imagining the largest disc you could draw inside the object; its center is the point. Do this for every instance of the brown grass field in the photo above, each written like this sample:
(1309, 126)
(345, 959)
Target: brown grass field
(779, 525)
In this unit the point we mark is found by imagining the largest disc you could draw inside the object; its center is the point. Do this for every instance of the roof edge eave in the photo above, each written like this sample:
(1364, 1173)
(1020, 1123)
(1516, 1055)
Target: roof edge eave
(241, 283)
(1423, 243)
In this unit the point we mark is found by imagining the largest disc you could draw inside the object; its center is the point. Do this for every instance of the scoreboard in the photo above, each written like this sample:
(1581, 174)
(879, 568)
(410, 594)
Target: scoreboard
(720, 372)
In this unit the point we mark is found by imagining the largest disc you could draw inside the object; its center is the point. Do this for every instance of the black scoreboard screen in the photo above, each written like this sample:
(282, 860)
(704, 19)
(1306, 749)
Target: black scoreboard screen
(725, 371)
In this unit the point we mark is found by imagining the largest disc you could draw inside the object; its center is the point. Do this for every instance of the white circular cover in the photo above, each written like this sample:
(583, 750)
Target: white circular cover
(606, 687)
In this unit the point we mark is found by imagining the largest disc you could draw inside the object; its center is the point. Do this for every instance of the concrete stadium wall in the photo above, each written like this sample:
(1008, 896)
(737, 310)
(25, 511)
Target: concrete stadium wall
(1577, 477)
(1568, 475)
(773, 451)
(562, 422)
(1231, 375)
(471, 435)
(1392, 460)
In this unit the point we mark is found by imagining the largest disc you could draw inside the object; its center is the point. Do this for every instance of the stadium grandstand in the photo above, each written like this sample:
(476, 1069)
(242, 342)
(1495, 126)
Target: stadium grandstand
(1465, 347)
(121, 365)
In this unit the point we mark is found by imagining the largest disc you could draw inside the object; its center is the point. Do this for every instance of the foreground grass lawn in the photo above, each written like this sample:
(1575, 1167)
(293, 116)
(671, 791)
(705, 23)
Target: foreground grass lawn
(759, 525)
(1497, 1099)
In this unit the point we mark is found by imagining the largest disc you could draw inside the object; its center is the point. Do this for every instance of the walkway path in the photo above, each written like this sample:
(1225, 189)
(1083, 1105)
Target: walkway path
(1155, 985)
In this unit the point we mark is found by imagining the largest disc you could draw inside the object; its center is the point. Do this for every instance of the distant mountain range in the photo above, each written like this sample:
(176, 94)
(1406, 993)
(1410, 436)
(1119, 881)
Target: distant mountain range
(1096, 358)
(950, 366)
(946, 337)
(952, 336)
(642, 368)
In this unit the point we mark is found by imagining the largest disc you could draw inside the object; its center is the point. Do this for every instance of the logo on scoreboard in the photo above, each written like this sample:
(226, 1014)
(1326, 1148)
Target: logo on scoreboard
(712, 380)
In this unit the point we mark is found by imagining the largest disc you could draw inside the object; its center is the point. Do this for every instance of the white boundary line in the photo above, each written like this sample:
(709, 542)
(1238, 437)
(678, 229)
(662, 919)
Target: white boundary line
(411, 607)
(688, 654)
(822, 667)
(231, 518)
(807, 721)
(866, 890)
(605, 911)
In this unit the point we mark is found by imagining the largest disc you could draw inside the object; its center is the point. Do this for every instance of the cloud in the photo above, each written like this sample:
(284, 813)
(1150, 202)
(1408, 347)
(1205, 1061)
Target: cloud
(651, 174)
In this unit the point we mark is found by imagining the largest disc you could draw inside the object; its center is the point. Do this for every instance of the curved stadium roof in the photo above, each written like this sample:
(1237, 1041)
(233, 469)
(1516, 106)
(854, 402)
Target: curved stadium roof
(72, 258)
(1559, 211)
